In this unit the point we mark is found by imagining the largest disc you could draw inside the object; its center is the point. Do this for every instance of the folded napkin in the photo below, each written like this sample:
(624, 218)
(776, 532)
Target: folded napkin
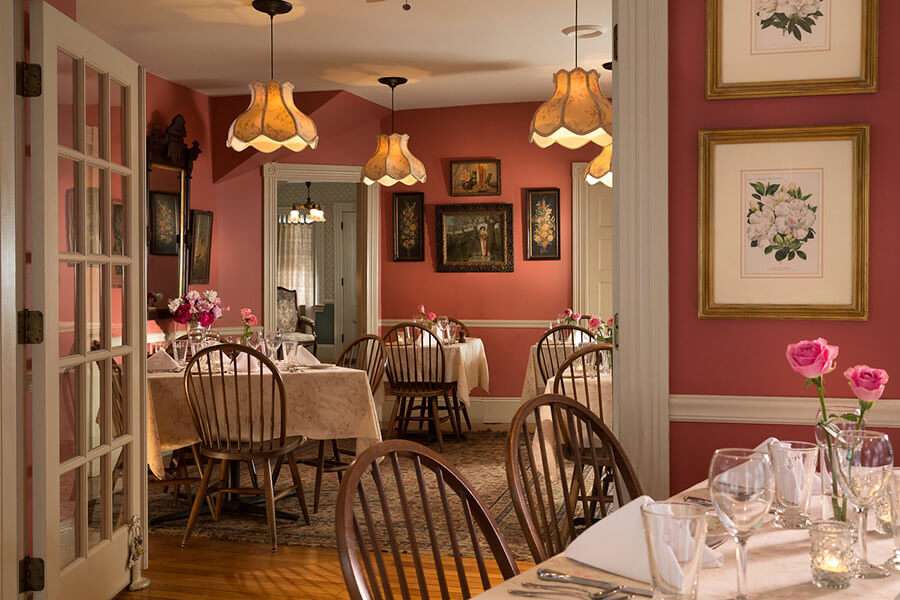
(791, 481)
(301, 357)
(162, 362)
(240, 363)
(617, 544)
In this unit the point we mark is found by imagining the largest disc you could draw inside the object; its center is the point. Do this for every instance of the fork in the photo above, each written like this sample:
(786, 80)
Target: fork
(568, 590)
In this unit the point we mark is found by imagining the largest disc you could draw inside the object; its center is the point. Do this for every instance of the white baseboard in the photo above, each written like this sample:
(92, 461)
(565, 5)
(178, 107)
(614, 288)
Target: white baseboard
(787, 410)
(487, 413)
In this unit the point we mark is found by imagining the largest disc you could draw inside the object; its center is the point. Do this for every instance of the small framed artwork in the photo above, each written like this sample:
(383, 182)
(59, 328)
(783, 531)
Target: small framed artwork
(474, 237)
(766, 48)
(409, 226)
(542, 224)
(165, 223)
(784, 223)
(475, 177)
(201, 246)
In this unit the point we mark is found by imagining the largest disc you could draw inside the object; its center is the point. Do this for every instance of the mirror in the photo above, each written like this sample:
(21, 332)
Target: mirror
(169, 165)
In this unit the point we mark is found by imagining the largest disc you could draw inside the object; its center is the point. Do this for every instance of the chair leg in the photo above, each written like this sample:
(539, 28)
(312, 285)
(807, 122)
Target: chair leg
(320, 469)
(199, 464)
(453, 413)
(298, 485)
(198, 500)
(408, 413)
(336, 451)
(436, 421)
(392, 423)
(270, 504)
(220, 497)
(251, 466)
(465, 409)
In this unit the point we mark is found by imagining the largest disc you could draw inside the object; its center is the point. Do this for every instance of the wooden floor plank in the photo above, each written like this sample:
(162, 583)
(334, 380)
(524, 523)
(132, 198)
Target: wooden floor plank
(237, 571)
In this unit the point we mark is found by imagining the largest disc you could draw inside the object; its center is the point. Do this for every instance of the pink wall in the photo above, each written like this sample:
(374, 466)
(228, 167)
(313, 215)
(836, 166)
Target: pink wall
(747, 357)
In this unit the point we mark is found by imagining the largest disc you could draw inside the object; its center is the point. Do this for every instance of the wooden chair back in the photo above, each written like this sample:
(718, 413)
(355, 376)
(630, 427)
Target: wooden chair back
(237, 399)
(578, 377)
(558, 494)
(556, 345)
(396, 504)
(462, 326)
(365, 354)
(415, 358)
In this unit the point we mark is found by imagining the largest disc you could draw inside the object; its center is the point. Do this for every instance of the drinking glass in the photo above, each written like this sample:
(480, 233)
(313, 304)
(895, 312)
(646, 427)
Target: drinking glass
(865, 460)
(741, 487)
(893, 495)
(180, 350)
(676, 535)
(288, 348)
(794, 466)
(274, 340)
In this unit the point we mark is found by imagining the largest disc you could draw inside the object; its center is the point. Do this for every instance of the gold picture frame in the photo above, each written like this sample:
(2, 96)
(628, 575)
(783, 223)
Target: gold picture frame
(865, 82)
(843, 212)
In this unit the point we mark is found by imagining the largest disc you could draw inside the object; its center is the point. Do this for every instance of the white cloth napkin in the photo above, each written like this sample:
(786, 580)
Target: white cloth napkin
(302, 357)
(240, 363)
(617, 544)
(789, 482)
(161, 362)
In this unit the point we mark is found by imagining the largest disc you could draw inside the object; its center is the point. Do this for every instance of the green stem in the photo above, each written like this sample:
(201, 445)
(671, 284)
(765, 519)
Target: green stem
(839, 509)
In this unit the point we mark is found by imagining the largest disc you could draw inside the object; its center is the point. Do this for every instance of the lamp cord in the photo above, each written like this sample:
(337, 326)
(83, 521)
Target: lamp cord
(393, 129)
(576, 34)
(272, 47)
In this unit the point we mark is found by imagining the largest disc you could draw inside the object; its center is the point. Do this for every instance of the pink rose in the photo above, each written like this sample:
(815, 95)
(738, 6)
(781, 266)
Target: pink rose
(421, 309)
(251, 320)
(432, 316)
(182, 314)
(594, 323)
(576, 316)
(246, 312)
(207, 318)
(867, 383)
(567, 313)
(812, 358)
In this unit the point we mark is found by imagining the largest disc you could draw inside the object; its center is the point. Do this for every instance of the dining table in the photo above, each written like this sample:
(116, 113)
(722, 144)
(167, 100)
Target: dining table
(322, 402)
(779, 569)
(534, 382)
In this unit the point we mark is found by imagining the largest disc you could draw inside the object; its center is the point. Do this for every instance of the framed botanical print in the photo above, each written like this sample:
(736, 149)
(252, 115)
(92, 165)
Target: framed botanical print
(165, 223)
(474, 237)
(476, 177)
(201, 246)
(542, 224)
(409, 226)
(764, 48)
(784, 223)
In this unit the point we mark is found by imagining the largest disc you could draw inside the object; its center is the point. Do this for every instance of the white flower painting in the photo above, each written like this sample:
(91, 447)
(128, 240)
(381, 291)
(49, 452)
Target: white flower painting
(781, 228)
(790, 25)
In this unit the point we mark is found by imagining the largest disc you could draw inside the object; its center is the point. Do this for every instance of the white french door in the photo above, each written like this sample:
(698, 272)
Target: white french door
(593, 245)
(86, 261)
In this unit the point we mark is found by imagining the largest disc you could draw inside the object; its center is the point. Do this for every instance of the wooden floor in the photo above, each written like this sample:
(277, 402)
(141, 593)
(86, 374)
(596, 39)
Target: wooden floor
(239, 571)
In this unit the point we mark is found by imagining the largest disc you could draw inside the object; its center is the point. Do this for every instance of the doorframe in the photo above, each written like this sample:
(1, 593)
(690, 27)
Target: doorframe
(11, 121)
(299, 173)
(641, 197)
(339, 208)
(580, 234)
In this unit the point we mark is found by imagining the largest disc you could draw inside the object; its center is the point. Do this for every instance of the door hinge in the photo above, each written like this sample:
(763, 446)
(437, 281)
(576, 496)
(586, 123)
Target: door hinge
(28, 80)
(30, 327)
(342, 282)
(342, 225)
(615, 56)
(616, 331)
(31, 574)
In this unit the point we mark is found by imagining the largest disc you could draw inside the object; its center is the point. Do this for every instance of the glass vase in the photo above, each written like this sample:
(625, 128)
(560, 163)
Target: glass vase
(835, 503)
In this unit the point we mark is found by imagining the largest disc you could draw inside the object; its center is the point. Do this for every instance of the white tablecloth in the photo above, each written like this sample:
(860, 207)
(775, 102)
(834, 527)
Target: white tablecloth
(322, 404)
(778, 570)
(534, 383)
(467, 365)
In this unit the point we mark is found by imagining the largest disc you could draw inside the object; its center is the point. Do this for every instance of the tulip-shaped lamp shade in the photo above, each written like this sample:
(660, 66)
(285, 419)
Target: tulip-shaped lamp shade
(272, 121)
(576, 114)
(600, 169)
(393, 163)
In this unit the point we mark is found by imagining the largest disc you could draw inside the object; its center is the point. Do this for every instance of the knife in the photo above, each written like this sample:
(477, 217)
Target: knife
(550, 575)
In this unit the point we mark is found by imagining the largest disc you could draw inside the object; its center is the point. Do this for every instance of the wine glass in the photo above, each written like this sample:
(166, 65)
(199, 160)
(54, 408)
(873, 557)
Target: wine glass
(274, 340)
(741, 487)
(865, 460)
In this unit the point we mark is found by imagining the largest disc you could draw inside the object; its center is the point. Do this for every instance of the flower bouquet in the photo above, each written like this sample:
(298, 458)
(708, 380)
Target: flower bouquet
(425, 317)
(249, 321)
(200, 310)
(813, 359)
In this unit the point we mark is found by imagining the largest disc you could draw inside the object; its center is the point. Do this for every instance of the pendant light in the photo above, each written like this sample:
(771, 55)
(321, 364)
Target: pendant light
(600, 169)
(393, 162)
(577, 113)
(307, 213)
(272, 121)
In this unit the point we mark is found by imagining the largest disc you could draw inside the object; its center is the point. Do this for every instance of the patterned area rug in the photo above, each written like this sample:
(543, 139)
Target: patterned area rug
(480, 458)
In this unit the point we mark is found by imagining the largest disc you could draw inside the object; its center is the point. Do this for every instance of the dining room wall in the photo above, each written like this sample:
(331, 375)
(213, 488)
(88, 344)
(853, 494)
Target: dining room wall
(746, 357)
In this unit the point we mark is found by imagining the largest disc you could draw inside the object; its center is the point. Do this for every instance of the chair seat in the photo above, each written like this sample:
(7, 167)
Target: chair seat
(245, 452)
(299, 337)
(417, 389)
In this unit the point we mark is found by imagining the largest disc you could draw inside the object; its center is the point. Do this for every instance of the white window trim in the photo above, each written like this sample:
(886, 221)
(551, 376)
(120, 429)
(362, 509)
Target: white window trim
(299, 173)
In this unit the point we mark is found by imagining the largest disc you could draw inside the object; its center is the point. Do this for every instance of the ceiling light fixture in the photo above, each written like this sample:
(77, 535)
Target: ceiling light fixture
(272, 121)
(600, 169)
(307, 213)
(393, 162)
(578, 113)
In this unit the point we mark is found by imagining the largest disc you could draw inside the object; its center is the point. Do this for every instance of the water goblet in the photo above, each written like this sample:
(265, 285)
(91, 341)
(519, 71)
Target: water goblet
(676, 535)
(893, 497)
(794, 466)
(865, 460)
(180, 350)
(274, 340)
(288, 349)
(741, 487)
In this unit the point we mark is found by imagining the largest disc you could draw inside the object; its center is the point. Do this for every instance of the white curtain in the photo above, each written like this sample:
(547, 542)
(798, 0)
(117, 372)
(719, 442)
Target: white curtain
(296, 262)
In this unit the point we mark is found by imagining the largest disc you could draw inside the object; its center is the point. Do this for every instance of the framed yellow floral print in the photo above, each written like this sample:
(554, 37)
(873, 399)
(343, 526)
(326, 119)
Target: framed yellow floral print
(783, 223)
(766, 48)
(409, 226)
(542, 224)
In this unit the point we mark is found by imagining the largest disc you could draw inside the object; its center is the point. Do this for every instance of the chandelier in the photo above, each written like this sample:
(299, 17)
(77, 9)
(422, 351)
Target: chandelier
(307, 213)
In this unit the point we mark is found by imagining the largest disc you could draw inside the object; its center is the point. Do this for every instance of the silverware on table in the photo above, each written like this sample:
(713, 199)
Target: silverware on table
(568, 591)
(558, 577)
(551, 594)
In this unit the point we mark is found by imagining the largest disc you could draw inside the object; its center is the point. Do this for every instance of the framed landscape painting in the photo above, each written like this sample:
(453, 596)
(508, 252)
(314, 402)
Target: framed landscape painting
(164, 223)
(542, 224)
(474, 237)
(784, 223)
(201, 245)
(409, 226)
(476, 177)
(759, 48)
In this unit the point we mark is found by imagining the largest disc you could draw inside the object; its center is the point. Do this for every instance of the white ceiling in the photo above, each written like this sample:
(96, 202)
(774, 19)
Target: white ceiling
(454, 52)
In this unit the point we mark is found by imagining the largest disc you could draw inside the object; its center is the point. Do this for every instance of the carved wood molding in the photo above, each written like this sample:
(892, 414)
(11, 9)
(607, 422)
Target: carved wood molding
(167, 146)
